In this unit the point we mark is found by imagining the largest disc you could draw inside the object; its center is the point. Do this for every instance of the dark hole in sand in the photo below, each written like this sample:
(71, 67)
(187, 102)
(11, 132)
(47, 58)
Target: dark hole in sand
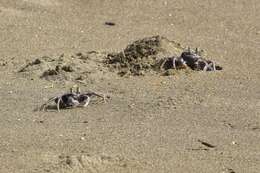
(110, 23)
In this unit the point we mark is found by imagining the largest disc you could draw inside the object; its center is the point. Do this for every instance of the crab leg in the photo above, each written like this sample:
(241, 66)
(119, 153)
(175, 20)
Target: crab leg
(58, 104)
(205, 68)
(211, 66)
(98, 95)
(214, 66)
(86, 102)
(174, 63)
(161, 66)
(42, 108)
(184, 63)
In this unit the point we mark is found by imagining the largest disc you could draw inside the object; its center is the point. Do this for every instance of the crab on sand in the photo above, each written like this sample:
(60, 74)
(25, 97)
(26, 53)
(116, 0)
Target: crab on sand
(71, 99)
(191, 59)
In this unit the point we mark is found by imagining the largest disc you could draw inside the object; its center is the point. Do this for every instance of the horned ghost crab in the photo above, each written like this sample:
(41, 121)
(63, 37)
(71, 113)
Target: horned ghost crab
(71, 99)
(190, 59)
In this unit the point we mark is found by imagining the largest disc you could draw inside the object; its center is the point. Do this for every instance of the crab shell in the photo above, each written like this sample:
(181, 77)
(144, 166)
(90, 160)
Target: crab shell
(190, 59)
(68, 100)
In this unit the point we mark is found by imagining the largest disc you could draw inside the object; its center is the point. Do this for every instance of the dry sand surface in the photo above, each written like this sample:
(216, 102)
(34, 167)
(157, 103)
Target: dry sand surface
(187, 122)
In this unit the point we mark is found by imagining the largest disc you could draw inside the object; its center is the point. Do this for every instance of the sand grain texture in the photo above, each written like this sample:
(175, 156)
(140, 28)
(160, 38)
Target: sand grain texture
(152, 123)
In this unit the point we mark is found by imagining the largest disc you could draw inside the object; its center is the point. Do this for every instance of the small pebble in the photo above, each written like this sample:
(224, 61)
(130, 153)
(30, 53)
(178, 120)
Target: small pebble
(234, 142)
(164, 82)
(50, 86)
(132, 106)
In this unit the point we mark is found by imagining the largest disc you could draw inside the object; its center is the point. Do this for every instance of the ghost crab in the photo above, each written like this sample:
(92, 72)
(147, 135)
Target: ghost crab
(191, 59)
(71, 99)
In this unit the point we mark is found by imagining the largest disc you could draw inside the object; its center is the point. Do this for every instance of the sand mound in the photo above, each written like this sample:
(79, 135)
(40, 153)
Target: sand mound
(65, 68)
(158, 54)
(144, 55)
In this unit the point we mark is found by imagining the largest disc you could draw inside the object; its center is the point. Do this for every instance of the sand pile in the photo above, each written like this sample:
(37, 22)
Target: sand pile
(145, 55)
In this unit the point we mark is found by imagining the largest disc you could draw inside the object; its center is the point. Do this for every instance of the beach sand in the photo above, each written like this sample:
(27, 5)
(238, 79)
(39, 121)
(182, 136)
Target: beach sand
(188, 122)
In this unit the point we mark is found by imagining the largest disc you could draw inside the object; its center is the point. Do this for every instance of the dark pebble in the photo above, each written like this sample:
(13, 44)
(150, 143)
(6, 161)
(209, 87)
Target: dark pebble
(110, 23)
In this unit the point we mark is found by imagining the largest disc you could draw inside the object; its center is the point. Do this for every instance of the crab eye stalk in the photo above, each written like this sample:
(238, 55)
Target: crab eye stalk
(78, 90)
(189, 50)
(196, 50)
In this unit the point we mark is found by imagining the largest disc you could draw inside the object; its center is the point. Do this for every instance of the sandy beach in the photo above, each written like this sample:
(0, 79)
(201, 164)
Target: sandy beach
(187, 122)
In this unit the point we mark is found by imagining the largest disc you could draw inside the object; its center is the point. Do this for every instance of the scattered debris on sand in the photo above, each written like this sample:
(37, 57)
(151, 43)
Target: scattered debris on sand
(66, 68)
(110, 23)
(206, 144)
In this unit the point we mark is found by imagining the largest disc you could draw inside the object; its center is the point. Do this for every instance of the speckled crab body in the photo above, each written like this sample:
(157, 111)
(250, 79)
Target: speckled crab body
(190, 59)
(71, 100)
